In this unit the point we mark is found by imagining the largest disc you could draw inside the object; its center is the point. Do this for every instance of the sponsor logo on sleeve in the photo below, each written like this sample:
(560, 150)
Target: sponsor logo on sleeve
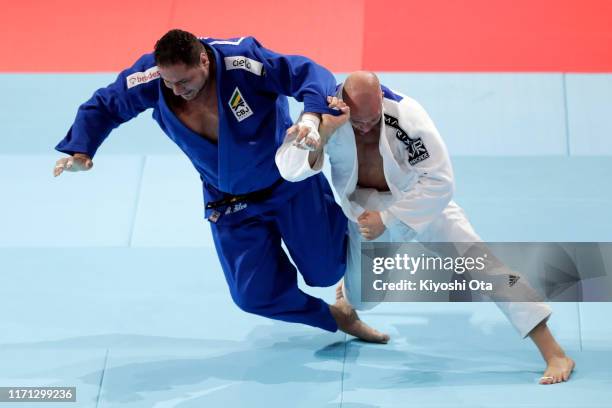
(139, 78)
(417, 152)
(241, 62)
(239, 106)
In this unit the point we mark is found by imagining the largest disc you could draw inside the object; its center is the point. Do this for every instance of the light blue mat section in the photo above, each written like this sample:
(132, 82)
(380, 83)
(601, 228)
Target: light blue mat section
(25, 365)
(433, 370)
(533, 178)
(94, 208)
(536, 198)
(275, 367)
(171, 207)
(76, 292)
(595, 328)
(477, 114)
(523, 220)
(589, 105)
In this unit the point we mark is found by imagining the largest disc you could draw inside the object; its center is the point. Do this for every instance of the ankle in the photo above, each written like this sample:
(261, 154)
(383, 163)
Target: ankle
(555, 353)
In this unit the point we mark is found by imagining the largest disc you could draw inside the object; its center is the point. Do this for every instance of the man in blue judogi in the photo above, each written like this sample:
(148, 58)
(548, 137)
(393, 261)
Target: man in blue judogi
(223, 102)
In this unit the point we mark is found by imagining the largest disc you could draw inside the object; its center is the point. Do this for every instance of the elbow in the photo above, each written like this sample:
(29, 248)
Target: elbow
(450, 188)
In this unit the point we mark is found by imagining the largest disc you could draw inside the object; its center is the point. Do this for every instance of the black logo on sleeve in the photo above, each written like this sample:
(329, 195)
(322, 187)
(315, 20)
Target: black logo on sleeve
(417, 152)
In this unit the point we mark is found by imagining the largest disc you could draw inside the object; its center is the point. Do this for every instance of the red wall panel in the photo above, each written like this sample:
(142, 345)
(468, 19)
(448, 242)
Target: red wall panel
(344, 35)
(488, 35)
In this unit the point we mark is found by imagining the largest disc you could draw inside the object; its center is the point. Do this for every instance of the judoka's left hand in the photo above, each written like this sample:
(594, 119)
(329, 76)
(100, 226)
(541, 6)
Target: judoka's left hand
(371, 225)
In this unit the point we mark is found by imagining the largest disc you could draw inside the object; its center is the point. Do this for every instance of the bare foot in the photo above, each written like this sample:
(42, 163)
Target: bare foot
(558, 369)
(339, 291)
(349, 322)
(558, 366)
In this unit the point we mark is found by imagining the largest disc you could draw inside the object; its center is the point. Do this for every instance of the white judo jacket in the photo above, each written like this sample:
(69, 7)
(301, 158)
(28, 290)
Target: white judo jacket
(416, 164)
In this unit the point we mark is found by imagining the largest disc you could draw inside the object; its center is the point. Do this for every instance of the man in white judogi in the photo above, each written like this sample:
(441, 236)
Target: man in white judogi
(392, 172)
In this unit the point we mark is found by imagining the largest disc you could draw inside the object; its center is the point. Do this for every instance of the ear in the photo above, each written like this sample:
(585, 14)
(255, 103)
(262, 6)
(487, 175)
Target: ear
(204, 58)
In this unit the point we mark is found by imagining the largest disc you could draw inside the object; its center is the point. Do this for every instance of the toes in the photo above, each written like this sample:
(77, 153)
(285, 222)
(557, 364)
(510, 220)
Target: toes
(382, 338)
(545, 380)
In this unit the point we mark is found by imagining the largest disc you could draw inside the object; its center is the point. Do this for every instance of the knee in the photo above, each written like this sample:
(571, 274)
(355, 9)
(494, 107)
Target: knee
(330, 268)
(327, 275)
(249, 304)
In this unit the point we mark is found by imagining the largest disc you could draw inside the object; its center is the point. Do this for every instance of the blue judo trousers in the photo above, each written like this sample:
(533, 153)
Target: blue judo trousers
(260, 276)
(250, 207)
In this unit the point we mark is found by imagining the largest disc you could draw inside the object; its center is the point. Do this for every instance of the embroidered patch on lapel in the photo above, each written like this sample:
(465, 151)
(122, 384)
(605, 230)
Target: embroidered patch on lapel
(417, 152)
(239, 106)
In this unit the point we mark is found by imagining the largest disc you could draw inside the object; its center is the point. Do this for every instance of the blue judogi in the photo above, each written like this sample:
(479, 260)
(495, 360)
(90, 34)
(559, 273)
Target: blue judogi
(253, 116)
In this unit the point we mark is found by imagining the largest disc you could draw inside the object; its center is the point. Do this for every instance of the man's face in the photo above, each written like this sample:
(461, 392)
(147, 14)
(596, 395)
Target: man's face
(365, 120)
(366, 110)
(185, 81)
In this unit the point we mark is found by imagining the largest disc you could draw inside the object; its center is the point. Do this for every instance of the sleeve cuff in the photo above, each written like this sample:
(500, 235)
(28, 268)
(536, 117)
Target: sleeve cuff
(73, 148)
(294, 165)
(388, 219)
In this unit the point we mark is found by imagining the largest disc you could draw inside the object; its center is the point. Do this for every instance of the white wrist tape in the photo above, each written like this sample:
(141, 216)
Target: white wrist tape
(311, 122)
(309, 117)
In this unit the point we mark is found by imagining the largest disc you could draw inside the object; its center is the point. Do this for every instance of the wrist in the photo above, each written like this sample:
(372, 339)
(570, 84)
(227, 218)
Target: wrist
(311, 120)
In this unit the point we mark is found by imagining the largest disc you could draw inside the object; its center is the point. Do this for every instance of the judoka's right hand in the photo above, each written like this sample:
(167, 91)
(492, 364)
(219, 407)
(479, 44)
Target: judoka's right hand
(371, 225)
(305, 133)
(330, 123)
(77, 162)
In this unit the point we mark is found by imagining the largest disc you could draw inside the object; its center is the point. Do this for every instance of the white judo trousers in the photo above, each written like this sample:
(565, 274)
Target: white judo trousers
(451, 226)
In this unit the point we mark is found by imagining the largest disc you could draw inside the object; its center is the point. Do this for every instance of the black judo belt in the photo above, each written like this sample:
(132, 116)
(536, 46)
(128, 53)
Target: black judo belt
(234, 203)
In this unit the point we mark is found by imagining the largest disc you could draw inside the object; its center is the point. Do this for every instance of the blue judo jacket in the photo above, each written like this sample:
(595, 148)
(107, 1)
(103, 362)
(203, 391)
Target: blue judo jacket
(252, 85)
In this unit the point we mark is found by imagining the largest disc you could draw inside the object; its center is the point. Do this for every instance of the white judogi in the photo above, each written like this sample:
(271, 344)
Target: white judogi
(418, 206)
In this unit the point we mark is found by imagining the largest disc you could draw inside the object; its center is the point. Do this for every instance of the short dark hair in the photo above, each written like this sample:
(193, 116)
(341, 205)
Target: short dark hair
(178, 47)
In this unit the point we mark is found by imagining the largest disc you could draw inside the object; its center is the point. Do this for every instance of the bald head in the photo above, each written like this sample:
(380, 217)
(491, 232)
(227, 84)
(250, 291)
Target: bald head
(362, 93)
(361, 86)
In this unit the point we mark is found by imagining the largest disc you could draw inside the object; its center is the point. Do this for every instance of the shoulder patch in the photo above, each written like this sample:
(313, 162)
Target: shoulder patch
(242, 62)
(139, 78)
(417, 152)
(240, 108)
